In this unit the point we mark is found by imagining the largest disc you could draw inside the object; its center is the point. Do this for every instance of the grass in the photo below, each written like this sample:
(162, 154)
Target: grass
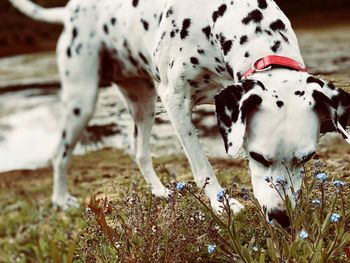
(124, 221)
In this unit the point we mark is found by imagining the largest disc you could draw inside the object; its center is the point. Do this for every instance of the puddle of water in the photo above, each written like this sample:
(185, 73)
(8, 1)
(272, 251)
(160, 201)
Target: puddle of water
(29, 128)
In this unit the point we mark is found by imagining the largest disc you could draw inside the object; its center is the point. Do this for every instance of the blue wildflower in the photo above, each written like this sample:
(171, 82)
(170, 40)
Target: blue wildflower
(280, 181)
(339, 184)
(297, 195)
(316, 202)
(303, 235)
(317, 163)
(321, 177)
(335, 217)
(211, 249)
(220, 195)
(180, 186)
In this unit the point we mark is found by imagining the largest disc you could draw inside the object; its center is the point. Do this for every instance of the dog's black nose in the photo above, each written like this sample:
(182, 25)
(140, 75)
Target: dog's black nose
(280, 216)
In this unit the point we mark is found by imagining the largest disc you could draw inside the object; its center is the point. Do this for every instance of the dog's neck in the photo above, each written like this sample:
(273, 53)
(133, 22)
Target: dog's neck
(241, 48)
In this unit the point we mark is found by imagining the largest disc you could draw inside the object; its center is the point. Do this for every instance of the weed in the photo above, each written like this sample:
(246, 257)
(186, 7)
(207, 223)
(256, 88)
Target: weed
(185, 229)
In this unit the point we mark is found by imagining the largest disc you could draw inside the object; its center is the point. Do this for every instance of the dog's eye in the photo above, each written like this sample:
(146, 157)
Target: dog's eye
(260, 159)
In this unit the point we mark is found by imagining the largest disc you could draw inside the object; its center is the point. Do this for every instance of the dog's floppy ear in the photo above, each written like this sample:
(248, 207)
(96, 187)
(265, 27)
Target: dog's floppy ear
(233, 104)
(335, 103)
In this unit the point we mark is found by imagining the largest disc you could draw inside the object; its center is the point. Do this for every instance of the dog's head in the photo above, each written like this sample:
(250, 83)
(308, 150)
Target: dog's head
(277, 121)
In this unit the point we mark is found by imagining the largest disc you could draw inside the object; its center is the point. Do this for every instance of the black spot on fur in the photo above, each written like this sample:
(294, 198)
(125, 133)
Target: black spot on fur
(276, 46)
(133, 61)
(229, 70)
(262, 4)
(246, 55)
(284, 37)
(185, 26)
(135, 3)
(76, 111)
(144, 59)
(69, 53)
(258, 30)
(194, 60)
(219, 69)
(280, 104)
(145, 24)
(169, 12)
(113, 20)
(220, 12)
(74, 33)
(256, 16)
(278, 25)
(78, 48)
(226, 46)
(105, 28)
(299, 93)
(207, 31)
(136, 131)
(243, 40)
(64, 134)
(172, 34)
(200, 51)
(312, 79)
(160, 18)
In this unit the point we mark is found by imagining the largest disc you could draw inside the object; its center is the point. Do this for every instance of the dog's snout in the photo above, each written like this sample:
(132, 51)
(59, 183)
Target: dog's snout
(280, 216)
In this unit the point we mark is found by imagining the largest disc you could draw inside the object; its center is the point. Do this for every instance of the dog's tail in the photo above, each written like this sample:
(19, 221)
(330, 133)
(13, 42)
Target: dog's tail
(50, 15)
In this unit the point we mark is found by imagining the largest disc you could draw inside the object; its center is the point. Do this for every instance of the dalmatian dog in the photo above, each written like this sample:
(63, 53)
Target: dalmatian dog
(242, 56)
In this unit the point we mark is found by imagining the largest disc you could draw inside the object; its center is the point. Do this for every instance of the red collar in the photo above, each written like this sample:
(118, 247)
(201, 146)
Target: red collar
(266, 63)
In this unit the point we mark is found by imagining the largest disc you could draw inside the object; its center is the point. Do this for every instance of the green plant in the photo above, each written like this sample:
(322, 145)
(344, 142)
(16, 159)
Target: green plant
(185, 229)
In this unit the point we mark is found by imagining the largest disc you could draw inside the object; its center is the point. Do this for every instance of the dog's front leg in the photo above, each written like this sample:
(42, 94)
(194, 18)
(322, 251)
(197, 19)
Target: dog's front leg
(178, 105)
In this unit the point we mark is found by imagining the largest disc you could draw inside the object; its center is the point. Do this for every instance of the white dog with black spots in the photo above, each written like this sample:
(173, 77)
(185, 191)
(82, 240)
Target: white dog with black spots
(188, 53)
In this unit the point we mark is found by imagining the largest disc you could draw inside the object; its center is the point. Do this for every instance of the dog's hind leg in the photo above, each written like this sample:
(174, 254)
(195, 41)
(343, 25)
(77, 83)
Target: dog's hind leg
(141, 97)
(79, 78)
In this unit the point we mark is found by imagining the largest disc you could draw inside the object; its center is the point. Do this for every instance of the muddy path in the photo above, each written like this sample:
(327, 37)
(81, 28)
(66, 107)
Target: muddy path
(29, 105)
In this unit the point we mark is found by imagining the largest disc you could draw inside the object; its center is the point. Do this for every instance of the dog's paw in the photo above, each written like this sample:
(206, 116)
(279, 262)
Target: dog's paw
(162, 192)
(218, 206)
(65, 203)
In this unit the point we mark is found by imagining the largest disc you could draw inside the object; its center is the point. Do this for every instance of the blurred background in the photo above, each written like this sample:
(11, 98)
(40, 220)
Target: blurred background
(19, 34)
(29, 84)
